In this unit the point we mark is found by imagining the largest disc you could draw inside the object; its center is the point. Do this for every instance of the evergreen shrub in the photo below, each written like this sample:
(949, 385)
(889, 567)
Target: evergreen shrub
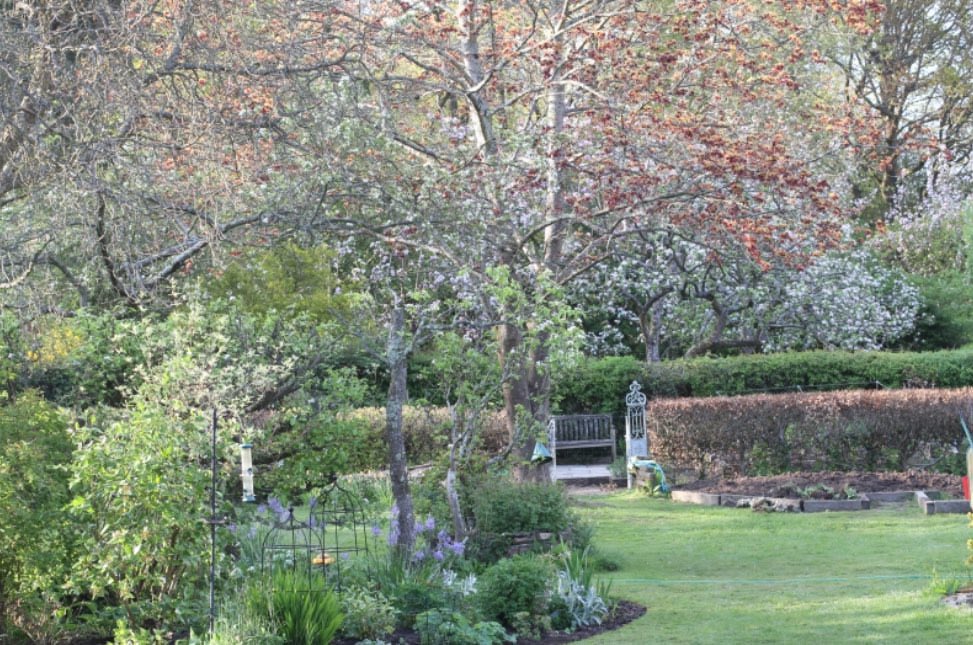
(503, 509)
(600, 384)
(515, 585)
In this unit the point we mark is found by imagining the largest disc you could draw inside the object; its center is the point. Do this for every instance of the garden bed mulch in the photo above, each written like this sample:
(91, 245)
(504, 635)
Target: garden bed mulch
(625, 613)
(790, 484)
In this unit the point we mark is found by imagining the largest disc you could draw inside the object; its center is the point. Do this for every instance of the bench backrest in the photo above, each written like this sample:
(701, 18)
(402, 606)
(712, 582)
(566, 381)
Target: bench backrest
(582, 428)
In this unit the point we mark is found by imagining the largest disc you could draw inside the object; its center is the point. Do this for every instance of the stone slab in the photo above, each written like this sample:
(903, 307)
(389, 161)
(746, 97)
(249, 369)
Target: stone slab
(822, 505)
(934, 506)
(731, 500)
(692, 497)
(892, 496)
(734, 501)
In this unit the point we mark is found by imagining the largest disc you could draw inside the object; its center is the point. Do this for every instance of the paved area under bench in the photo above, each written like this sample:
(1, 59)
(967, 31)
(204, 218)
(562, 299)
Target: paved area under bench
(592, 474)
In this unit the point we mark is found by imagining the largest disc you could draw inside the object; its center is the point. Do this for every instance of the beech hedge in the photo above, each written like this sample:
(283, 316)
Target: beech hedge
(599, 385)
(766, 433)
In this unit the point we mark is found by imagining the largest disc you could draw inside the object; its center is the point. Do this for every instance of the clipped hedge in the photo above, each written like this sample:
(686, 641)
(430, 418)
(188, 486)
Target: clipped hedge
(599, 385)
(847, 430)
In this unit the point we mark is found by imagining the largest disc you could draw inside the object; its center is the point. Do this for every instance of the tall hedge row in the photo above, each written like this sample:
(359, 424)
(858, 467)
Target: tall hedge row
(846, 430)
(599, 385)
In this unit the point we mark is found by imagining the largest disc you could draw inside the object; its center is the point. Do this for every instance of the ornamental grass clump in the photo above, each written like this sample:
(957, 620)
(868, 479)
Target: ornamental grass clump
(299, 606)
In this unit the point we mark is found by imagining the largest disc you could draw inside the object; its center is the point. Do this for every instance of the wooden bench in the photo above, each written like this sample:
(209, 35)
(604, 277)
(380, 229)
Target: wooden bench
(581, 431)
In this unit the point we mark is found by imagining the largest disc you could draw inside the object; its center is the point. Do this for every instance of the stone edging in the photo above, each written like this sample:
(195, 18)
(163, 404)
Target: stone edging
(928, 505)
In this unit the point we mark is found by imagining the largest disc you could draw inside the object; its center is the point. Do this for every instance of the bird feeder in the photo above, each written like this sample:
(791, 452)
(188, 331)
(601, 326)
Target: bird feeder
(246, 471)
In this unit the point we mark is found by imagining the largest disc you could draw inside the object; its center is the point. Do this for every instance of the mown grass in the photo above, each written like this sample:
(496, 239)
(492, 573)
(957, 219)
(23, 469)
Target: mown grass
(717, 575)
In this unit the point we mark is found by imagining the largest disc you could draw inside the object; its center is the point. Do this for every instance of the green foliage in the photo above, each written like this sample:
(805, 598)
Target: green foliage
(35, 543)
(440, 627)
(299, 605)
(139, 490)
(513, 585)
(847, 430)
(591, 388)
(947, 318)
(11, 355)
(236, 623)
(504, 506)
(368, 614)
(289, 280)
(596, 385)
(89, 359)
(319, 440)
(583, 601)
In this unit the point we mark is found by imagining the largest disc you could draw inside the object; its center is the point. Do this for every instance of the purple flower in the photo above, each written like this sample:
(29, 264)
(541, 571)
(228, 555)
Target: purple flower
(394, 525)
(419, 556)
(252, 533)
(458, 548)
(438, 554)
(231, 527)
(345, 556)
(261, 509)
(376, 530)
(430, 524)
(275, 505)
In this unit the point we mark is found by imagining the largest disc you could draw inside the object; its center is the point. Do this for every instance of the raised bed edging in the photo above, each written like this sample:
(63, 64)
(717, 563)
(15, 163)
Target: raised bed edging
(929, 506)
(862, 503)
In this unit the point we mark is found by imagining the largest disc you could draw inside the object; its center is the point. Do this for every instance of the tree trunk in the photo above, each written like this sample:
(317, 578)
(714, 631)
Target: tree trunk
(526, 397)
(398, 354)
(459, 436)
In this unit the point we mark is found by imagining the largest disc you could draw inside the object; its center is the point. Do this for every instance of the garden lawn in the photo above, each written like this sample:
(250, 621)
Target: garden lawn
(723, 575)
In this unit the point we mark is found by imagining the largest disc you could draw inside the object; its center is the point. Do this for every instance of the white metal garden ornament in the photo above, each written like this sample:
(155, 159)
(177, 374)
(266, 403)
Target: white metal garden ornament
(636, 440)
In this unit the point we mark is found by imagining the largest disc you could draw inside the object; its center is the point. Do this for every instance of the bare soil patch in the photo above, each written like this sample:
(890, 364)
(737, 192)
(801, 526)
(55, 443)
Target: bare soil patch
(791, 484)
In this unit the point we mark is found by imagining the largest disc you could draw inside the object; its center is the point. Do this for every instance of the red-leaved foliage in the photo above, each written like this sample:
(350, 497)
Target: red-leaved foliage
(853, 429)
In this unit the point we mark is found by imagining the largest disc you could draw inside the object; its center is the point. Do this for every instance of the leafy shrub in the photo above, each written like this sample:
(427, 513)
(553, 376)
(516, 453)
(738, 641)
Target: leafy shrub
(947, 320)
(503, 509)
(530, 625)
(413, 596)
(138, 487)
(35, 543)
(504, 506)
(513, 585)
(453, 628)
(299, 606)
(89, 359)
(856, 429)
(368, 614)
